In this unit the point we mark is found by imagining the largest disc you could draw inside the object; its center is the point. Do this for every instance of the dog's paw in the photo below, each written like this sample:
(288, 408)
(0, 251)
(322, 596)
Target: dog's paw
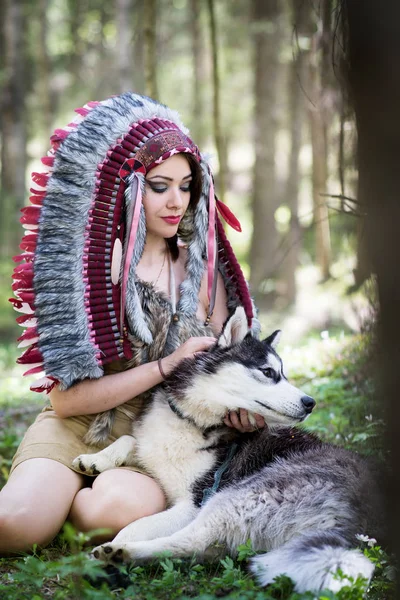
(111, 553)
(92, 464)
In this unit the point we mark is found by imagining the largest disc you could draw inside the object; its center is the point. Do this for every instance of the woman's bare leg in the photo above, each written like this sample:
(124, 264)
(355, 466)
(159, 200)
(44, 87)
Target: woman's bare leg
(117, 498)
(35, 503)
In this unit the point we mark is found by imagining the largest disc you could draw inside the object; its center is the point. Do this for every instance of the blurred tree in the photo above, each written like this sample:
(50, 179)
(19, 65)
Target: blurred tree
(44, 91)
(150, 48)
(198, 131)
(100, 54)
(138, 48)
(267, 43)
(373, 50)
(220, 142)
(76, 12)
(300, 15)
(13, 124)
(320, 111)
(123, 53)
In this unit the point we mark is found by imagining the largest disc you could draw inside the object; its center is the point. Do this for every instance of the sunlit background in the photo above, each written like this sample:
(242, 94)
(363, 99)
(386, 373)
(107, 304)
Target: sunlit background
(266, 75)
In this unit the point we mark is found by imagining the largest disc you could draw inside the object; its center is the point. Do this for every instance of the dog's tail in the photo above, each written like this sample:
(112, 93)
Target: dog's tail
(314, 562)
(100, 428)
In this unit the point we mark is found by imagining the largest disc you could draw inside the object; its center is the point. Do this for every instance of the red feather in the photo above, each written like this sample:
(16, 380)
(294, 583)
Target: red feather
(82, 111)
(40, 178)
(28, 243)
(30, 356)
(36, 200)
(48, 161)
(28, 334)
(34, 370)
(30, 215)
(228, 215)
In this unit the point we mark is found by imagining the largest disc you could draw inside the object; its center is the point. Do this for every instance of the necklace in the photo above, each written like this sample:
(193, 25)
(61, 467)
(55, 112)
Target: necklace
(162, 267)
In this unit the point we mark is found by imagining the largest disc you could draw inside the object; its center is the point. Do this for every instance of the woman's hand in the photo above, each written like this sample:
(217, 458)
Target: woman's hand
(186, 350)
(241, 422)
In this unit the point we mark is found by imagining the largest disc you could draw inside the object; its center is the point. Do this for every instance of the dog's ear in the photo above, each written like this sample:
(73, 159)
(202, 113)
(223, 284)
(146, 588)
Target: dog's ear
(235, 329)
(273, 339)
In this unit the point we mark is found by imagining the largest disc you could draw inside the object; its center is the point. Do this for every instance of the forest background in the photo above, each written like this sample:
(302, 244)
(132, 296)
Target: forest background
(262, 87)
(259, 86)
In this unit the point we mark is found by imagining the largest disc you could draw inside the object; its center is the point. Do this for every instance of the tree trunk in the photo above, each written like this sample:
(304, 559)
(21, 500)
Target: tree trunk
(220, 142)
(13, 133)
(138, 48)
(46, 98)
(76, 11)
(150, 48)
(300, 12)
(374, 44)
(319, 114)
(124, 46)
(267, 38)
(198, 132)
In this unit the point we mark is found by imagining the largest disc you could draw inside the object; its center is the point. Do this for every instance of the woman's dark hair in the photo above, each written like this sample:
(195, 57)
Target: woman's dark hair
(195, 192)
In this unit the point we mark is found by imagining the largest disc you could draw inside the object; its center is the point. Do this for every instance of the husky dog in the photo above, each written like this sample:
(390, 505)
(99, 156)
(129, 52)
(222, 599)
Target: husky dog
(299, 499)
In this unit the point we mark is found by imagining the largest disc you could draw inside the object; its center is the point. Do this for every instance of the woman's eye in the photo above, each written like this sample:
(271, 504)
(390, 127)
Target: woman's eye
(159, 189)
(185, 188)
(270, 373)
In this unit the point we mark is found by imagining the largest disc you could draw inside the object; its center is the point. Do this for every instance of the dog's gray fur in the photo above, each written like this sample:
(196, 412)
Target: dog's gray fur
(301, 500)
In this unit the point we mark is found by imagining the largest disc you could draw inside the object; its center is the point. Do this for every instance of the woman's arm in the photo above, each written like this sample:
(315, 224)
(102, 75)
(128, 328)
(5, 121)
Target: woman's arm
(97, 395)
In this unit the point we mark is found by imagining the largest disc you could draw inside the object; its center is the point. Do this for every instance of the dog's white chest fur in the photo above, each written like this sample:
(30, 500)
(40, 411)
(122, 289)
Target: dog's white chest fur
(172, 450)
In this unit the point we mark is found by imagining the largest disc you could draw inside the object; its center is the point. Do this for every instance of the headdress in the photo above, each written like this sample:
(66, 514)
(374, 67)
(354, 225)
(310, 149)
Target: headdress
(78, 301)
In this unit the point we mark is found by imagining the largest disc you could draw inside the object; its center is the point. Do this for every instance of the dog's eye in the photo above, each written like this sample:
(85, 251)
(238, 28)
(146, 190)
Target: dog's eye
(270, 373)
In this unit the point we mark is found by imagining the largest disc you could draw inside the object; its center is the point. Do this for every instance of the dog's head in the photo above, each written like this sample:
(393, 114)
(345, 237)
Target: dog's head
(240, 372)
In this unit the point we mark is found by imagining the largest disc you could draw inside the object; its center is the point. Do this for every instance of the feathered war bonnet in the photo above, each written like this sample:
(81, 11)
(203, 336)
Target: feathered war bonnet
(78, 301)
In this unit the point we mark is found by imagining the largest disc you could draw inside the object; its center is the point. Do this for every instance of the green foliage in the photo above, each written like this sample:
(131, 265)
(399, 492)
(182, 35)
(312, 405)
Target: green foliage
(75, 576)
(245, 551)
(338, 373)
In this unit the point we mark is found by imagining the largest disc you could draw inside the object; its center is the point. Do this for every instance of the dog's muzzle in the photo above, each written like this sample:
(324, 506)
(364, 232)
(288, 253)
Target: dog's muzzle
(308, 403)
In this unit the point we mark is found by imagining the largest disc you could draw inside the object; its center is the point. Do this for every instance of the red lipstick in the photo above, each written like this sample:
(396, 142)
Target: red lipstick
(172, 220)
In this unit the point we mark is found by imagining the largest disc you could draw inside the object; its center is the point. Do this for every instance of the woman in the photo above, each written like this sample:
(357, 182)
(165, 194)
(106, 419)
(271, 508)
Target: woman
(165, 297)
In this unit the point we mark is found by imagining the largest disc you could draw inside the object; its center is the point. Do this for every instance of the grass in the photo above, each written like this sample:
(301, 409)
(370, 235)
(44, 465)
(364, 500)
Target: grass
(334, 370)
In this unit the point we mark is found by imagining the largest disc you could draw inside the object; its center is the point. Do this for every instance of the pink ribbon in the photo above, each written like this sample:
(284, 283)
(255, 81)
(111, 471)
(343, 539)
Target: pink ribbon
(136, 196)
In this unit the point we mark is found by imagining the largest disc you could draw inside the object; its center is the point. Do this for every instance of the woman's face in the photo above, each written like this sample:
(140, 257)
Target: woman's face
(167, 195)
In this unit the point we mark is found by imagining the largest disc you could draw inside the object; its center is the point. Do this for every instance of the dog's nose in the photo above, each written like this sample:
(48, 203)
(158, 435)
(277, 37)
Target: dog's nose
(308, 403)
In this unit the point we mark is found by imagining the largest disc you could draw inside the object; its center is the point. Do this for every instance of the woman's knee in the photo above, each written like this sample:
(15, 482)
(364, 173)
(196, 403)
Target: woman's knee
(118, 497)
(129, 490)
(34, 504)
(19, 530)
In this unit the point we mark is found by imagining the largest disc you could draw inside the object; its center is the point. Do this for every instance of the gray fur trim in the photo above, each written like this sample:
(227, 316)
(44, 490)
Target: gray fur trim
(134, 312)
(197, 248)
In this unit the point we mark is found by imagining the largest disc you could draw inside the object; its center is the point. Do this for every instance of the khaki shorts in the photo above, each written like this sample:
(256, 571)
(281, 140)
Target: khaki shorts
(61, 439)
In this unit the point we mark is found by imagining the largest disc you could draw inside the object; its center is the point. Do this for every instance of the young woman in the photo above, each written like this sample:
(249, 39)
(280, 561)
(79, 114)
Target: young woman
(166, 295)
